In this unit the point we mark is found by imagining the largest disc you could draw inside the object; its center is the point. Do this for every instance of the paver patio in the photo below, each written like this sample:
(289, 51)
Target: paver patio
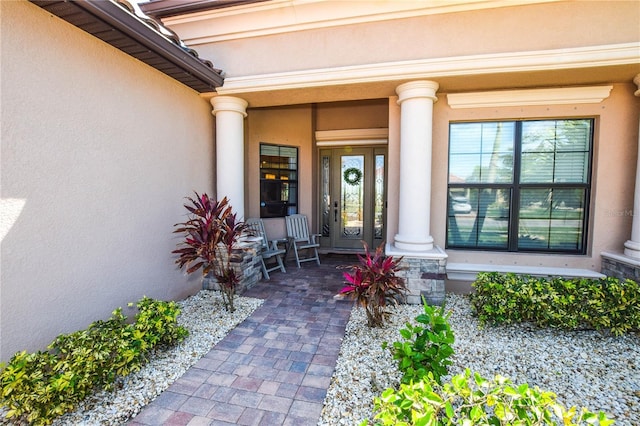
(272, 369)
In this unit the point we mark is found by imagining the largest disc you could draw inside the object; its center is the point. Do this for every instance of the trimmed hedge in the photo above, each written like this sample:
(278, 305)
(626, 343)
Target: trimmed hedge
(38, 387)
(579, 303)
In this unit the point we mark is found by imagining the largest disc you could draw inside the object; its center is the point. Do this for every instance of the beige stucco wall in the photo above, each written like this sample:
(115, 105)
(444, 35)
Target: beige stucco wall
(614, 164)
(507, 29)
(98, 150)
(290, 126)
(369, 114)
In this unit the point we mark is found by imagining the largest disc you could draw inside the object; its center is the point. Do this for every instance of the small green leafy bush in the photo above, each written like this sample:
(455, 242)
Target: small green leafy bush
(157, 322)
(607, 303)
(37, 387)
(426, 348)
(476, 401)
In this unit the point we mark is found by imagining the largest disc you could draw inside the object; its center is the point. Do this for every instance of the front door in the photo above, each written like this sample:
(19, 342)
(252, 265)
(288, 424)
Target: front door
(353, 191)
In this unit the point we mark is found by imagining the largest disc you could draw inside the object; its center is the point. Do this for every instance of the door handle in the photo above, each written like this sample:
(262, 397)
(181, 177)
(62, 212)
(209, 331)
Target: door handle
(335, 211)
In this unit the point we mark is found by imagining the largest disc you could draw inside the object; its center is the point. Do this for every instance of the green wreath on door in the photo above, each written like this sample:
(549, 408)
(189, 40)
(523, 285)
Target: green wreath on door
(352, 176)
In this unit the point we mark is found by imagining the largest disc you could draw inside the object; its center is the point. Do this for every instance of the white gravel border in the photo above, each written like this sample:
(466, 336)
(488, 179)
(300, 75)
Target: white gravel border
(584, 368)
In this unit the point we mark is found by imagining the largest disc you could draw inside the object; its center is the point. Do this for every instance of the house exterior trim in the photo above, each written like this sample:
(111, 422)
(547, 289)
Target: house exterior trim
(469, 271)
(258, 19)
(553, 96)
(541, 60)
(378, 136)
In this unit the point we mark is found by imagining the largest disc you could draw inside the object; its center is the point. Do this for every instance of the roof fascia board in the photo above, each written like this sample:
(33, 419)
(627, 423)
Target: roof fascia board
(119, 18)
(281, 16)
(543, 60)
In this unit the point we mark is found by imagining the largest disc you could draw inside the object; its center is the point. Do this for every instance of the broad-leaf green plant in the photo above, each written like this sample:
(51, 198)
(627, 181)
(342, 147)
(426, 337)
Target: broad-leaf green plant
(427, 346)
(373, 283)
(473, 400)
(211, 233)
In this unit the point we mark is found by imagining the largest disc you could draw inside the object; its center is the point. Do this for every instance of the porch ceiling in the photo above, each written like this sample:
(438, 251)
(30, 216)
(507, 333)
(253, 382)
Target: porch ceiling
(117, 25)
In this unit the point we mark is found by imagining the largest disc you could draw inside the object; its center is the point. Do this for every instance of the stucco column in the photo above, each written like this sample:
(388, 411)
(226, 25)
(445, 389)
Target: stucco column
(632, 247)
(416, 101)
(230, 113)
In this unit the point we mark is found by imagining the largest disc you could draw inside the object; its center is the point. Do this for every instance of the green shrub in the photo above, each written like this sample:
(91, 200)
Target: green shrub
(476, 401)
(426, 348)
(607, 303)
(156, 322)
(41, 386)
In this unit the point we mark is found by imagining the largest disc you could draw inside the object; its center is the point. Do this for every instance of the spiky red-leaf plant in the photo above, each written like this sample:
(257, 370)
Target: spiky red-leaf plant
(210, 234)
(373, 283)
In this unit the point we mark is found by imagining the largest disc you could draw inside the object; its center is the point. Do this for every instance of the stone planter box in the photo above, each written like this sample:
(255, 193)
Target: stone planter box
(245, 260)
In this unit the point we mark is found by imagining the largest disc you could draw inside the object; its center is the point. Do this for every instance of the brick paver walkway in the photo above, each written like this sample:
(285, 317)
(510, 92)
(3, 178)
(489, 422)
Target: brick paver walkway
(275, 367)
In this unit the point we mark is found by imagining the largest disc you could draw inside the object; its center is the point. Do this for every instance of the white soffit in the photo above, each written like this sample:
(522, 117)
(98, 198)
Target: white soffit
(554, 96)
(281, 16)
(377, 136)
(433, 68)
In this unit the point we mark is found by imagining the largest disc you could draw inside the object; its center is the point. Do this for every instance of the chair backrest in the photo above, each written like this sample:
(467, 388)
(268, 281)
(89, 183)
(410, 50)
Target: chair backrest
(256, 227)
(297, 227)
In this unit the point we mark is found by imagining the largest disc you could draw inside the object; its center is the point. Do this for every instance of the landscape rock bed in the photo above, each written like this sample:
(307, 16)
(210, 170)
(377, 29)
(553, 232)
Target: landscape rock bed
(584, 368)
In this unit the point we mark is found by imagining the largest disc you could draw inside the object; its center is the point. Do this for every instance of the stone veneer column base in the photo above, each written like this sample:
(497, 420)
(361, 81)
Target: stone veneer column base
(424, 272)
(246, 261)
(620, 266)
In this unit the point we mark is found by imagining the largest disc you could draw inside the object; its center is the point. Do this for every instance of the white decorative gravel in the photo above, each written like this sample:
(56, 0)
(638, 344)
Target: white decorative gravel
(584, 368)
(208, 322)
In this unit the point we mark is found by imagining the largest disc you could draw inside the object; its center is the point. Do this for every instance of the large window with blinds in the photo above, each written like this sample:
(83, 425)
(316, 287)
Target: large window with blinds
(519, 185)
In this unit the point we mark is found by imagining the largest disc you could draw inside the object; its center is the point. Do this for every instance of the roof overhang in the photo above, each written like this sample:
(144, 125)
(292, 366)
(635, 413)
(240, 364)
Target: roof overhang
(116, 25)
(166, 8)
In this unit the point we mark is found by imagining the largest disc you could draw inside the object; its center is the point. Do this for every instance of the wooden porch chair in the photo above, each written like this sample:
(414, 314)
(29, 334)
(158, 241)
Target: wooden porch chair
(269, 248)
(300, 239)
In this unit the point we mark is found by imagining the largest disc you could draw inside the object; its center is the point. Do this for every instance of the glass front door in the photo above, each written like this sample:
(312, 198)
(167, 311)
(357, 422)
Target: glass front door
(353, 196)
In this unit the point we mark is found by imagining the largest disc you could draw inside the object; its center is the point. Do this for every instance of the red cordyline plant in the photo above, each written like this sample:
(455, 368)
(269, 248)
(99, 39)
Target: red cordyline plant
(210, 235)
(373, 283)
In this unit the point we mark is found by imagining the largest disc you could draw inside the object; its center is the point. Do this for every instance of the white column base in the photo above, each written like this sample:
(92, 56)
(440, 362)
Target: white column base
(434, 253)
(412, 245)
(632, 249)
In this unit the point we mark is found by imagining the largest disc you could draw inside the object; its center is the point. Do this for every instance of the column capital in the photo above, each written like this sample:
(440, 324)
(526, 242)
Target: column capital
(636, 80)
(229, 103)
(417, 89)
